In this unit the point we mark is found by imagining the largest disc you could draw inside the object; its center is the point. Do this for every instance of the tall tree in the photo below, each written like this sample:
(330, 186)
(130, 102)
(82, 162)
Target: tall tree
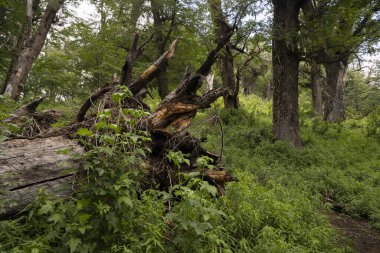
(316, 86)
(11, 20)
(32, 44)
(222, 29)
(161, 38)
(285, 58)
(334, 32)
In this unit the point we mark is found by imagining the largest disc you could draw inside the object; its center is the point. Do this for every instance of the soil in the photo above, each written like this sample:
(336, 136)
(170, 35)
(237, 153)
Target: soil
(362, 238)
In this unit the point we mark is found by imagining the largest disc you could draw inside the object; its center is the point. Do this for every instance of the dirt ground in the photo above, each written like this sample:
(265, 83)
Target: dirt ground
(362, 238)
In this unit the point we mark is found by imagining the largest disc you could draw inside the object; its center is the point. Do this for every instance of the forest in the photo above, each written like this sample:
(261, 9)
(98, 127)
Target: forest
(189, 126)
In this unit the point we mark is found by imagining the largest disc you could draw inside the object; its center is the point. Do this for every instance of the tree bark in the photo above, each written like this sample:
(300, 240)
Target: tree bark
(158, 23)
(33, 46)
(285, 62)
(316, 87)
(334, 109)
(222, 29)
(24, 168)
(23, 40)
(269, 94)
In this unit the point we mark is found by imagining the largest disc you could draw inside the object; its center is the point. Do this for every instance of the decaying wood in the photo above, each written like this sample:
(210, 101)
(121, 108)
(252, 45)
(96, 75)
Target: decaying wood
(26, 165)
(32, 122)
(176, 111)
(24, 168)
(91, 100)
(154, 69)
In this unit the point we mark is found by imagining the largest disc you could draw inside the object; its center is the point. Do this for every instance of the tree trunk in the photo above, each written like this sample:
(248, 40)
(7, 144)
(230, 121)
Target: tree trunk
(334, 93)
(222, 29)
(316, 87)
(30, 53)
(269, 94)
(24, 168)
(285, 62)
(23, 41)
(249, 84)
(162, 78)
(228, 78)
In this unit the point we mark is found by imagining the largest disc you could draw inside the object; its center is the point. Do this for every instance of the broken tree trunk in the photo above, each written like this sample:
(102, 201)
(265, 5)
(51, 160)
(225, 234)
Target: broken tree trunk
(25, 168)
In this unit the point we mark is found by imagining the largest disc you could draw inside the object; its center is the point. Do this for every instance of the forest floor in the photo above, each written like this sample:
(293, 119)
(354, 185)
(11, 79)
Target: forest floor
(362, 237)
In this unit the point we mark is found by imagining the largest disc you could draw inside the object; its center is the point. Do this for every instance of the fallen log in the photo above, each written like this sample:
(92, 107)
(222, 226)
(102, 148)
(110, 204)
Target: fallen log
(26, 165)
(29, 164)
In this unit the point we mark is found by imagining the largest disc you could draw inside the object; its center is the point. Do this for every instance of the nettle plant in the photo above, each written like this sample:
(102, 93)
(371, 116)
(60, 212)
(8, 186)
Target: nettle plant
(110, 210)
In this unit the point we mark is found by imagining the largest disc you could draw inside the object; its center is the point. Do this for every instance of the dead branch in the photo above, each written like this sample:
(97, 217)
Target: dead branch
(91, 100)
(154, 69)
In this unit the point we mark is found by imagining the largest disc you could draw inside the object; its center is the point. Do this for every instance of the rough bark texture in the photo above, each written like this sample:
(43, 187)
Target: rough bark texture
(159, 39)
(334, 93)
(316, 87)
(26, 165)
(25, 168)
(222, 29)
(269, 94)
(285, 62)
(26, 58)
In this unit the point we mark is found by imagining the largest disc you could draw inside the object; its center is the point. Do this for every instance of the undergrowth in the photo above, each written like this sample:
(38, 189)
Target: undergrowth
(339, 164)
(278, 205)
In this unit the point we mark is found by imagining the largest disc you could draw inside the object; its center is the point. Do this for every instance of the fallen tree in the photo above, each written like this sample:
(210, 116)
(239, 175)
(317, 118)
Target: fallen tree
(33, 162)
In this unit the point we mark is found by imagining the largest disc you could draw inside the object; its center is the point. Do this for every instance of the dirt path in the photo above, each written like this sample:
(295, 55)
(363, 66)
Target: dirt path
(363, 238)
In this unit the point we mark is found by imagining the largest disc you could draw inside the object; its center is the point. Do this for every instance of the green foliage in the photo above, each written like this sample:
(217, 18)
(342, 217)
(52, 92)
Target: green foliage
(283, 193)
(338, 163)
(177, 158)
(362, 94)
(11, 19)
(271, 209)
(7, 106)
(373, 126)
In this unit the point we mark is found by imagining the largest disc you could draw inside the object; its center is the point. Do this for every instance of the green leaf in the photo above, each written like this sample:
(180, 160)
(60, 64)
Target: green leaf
(106, 150)
(117, 97)
(134, 138)
(125, 200)
(101, 125)
(73, 243)
(46, 208)
(209, 188)
(84, 132)
(84, 218)
(55, 218)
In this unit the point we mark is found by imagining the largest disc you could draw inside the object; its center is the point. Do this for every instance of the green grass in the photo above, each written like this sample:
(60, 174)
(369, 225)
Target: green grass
(339, 163)
(279, 204)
